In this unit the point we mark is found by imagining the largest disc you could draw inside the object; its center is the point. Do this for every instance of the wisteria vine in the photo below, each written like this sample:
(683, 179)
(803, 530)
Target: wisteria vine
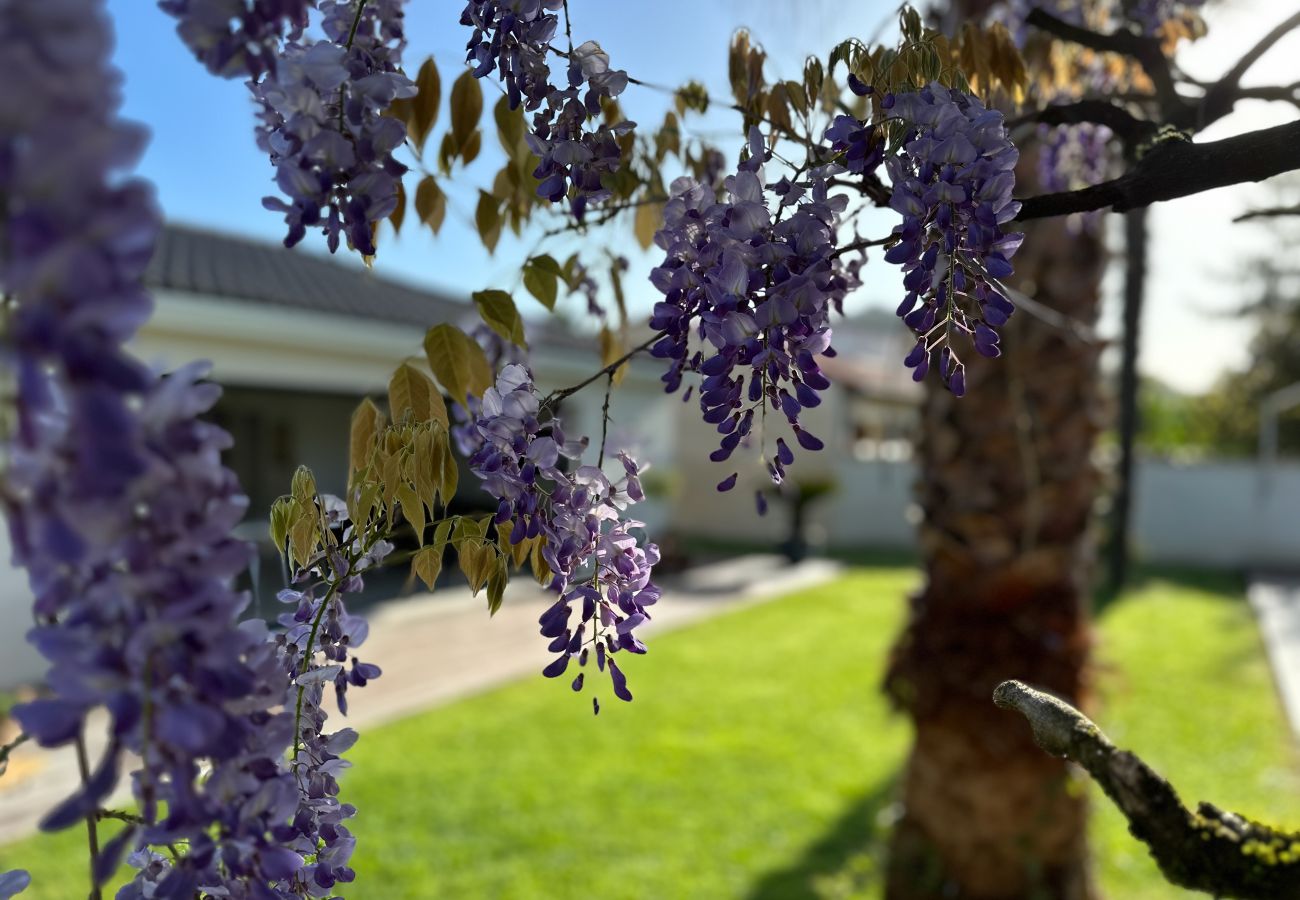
(513, 38)
(114, 491)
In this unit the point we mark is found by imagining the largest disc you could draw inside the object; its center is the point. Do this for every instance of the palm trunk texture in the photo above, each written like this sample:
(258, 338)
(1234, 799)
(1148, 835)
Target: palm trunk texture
(1007, 486)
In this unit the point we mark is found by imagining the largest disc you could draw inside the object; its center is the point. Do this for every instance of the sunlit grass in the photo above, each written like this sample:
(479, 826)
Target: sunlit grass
(757, 758)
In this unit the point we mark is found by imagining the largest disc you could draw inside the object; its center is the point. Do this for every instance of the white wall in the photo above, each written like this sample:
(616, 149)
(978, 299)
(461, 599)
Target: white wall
(19, 661)
(1218, 514)
(1212, 514)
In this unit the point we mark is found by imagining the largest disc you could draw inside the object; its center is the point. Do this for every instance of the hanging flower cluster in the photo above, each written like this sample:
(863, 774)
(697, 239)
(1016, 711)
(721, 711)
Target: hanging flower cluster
(756, 288)
(322, 103)
(315, 651)
(596, 563)
(324, 127)
(236, 38)
(952, 183)
(122, 513)
(513, 37)
(117, 502)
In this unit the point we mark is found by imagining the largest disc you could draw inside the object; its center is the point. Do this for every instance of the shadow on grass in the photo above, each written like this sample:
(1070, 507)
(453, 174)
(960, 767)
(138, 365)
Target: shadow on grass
(844, 862)
(1230, 584)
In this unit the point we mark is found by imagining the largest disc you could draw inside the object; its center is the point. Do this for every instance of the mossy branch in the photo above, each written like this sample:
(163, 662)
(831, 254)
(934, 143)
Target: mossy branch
(1209, 850)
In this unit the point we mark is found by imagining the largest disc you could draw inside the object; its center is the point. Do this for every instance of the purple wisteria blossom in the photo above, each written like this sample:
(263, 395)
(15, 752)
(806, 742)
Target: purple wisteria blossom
(513, 38)
(323, 124)
(119, 507)
(316, 651)
(597, 565)
(321, 102)
(238, 38)
(952, 183)
(756, 288)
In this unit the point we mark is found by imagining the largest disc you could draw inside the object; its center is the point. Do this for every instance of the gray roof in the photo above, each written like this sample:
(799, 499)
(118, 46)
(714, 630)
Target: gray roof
(198, 261)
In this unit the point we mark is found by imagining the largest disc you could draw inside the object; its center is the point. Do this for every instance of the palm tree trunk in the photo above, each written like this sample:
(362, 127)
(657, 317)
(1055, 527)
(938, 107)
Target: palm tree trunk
(1007, 487)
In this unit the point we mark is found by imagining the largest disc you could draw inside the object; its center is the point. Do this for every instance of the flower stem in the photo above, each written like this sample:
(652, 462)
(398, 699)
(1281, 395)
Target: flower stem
(92, 830)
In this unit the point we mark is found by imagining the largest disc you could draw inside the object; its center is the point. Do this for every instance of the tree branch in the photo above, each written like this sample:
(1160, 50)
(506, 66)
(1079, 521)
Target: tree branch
(1220, 96)
(1206, 850)
(1177, 168)
(556, 396)
(1127, 126)
(1145, 50)
(1268, 212)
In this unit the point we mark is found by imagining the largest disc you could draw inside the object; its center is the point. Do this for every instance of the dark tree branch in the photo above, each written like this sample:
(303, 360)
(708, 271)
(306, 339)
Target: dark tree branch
(1145, 50)
(1268, 212)
(1208, 850)
(1177, 168)
(1289, 93)
(1127, 126)
(1223, 94)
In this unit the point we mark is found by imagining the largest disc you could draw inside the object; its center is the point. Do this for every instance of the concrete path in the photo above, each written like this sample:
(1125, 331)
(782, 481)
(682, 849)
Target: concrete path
(435, 649)
(1276, 602)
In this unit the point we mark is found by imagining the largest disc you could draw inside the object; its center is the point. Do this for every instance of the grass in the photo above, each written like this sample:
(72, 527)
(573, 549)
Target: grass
(759, 759)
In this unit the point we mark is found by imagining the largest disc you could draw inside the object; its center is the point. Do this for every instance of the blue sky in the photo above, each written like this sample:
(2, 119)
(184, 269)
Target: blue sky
(209, 172)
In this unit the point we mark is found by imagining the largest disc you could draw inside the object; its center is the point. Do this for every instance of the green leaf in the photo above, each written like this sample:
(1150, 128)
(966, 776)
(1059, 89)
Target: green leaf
(541, 278)
(498, 310)
(430, 203)
(457, 362)
(424, 107)
(410, 389)
(473, 144)
(466, 106)
(426, 564)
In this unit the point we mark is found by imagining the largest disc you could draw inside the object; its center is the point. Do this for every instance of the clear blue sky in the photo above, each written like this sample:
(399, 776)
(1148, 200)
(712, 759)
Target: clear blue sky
(209, 172)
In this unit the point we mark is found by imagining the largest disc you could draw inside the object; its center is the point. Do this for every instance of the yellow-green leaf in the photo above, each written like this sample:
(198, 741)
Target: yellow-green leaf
(487, 219)
(424, 107)
(470, 148)
(541, 278)
(496, 584)
(498, 310)
(430, 203)
(410, 389)
(510, 125)
(466, 106)
(412, 510)
(398, 215)
(426, 564)
(649, 218)
(457, 362)
(366, 422)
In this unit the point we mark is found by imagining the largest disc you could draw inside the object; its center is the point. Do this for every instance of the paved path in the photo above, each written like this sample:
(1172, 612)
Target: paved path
(1276, 602)
(435, 649)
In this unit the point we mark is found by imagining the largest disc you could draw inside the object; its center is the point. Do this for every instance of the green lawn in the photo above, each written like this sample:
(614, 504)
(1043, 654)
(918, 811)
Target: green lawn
(759, 758)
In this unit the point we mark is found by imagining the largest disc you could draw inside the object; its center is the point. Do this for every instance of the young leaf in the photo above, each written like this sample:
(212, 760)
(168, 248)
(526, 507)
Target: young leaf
(410, 389)
(487, 219)
(412, 510)
(541, 277)
(426, 564)
(466, 106)
(457, 362)
(510, 125)
(496, 584)
(424, 106)
(649, 218)
(366, 422)
(430, 203)
(498, 310)
(398, 215)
